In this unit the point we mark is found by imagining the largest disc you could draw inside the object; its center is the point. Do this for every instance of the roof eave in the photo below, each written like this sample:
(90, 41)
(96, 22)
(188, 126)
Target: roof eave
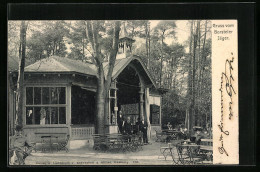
(57, 72)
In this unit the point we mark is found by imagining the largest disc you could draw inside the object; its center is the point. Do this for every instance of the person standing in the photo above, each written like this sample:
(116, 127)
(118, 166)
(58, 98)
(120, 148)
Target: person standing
(143, 128)
(19, 145)
(120, 122)
(128, 126)
(137, 125)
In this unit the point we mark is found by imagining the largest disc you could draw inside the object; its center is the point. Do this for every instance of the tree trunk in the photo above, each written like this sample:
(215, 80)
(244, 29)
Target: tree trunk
(198, 72)
(203, 59)
(161, 72)
(83, 45)
(102, 86)
(20, 80)
(190, 78)
(194, 74)
(112, 59)
(149, 46)
(100, 102)
(146, 43)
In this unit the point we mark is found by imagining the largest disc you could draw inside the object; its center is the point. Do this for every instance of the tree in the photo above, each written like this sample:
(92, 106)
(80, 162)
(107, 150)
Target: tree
(20, 81)
(48, 41)
(93, 32)
(164, 29)
(199, 75)
(141, 29)
(13, 38)
(174, 53)
(77, 40)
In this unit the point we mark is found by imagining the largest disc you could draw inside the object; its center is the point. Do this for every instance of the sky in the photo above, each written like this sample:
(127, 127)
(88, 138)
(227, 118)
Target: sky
(182, 31)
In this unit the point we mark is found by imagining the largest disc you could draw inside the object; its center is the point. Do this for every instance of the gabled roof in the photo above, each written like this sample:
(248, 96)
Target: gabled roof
(120, 65)
(63, 64)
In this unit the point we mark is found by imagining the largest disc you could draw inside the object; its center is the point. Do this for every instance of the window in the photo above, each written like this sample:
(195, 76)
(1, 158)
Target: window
(154, 114)
(45, 105)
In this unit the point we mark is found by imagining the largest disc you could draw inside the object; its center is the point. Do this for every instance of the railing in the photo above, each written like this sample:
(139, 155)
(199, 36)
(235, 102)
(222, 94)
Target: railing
(81, 132)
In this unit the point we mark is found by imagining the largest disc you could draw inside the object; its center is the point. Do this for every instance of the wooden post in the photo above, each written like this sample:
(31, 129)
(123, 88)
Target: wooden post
(24, 109)
(141, 92)
(115, 108)
(147, 112)
(68, 110)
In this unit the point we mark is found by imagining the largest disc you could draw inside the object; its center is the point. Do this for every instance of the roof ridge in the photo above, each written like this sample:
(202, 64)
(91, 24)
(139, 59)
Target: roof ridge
(62, 65)
(36, 63)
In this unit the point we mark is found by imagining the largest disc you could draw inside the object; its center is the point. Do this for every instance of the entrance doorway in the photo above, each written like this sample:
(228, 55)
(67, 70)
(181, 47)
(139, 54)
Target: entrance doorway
(128, 96)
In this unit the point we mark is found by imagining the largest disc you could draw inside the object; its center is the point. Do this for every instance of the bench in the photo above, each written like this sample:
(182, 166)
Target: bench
(52, 140)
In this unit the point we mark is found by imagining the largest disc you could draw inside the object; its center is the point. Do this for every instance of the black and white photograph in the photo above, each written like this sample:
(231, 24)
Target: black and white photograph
(110, 92)
(129, 85)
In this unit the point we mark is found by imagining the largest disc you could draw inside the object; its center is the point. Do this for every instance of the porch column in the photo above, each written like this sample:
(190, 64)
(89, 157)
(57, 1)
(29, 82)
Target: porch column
(141, 92)
(115, 108)
(68, 111)
(147, 112)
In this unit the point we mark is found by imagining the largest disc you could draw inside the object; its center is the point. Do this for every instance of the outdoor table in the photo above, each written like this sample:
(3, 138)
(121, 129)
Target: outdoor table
(186, 152)
(209, 142)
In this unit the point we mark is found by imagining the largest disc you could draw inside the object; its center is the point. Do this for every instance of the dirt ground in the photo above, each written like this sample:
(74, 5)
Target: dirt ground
(83, 154)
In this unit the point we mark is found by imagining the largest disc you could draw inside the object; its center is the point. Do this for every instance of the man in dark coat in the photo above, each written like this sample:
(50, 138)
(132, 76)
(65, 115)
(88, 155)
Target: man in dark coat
(137, 125)
(128, 126)
(120, 122)
(143, 128)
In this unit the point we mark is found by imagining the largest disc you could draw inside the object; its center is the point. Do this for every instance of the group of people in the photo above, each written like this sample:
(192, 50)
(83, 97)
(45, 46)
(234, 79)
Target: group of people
(127, 128)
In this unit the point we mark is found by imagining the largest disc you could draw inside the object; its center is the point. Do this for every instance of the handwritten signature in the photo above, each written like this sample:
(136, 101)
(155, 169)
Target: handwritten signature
(226, 77)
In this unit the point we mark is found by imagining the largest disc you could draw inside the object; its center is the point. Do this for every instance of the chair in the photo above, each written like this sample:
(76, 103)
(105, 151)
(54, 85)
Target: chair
(161, 136)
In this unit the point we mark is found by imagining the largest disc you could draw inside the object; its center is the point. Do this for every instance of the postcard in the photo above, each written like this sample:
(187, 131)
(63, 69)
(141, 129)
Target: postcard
(123, 92)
